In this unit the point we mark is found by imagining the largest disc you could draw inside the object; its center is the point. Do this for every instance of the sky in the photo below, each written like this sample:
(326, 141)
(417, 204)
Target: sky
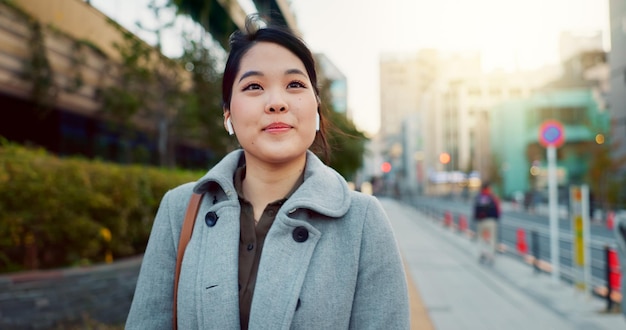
(354, 33)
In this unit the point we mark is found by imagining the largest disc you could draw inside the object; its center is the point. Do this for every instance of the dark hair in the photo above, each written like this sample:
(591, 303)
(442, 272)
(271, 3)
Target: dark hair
(257, 30)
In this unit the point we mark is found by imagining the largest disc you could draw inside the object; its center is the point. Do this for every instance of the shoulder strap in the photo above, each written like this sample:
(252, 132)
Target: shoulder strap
(185, 236)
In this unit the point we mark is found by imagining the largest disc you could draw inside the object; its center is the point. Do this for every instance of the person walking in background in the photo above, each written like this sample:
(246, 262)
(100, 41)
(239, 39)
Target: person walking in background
(487, 215)
(281, 242)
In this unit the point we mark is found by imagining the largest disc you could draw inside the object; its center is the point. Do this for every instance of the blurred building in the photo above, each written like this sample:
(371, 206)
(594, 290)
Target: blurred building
(572, 100)
(617, 69)
(337, 83)
(436, 106)
(465, 114)
(404, 78)
(57, 57)
(572, 43)
(452, 120)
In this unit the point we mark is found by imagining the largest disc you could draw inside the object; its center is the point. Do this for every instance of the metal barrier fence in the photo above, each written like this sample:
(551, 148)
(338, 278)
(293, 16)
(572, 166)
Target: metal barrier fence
(531, 243)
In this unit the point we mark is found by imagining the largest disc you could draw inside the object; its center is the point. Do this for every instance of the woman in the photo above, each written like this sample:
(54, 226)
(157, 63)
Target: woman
(288, 244)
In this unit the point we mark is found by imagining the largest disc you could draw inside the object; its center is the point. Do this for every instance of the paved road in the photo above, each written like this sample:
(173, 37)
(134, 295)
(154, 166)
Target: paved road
(454, 291)
(536, 229)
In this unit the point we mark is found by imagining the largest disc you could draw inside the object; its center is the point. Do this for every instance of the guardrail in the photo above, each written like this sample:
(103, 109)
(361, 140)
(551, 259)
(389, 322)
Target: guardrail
(531, 244)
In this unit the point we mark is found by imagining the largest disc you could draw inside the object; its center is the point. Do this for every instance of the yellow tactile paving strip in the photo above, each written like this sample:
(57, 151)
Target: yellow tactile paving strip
(420, 320)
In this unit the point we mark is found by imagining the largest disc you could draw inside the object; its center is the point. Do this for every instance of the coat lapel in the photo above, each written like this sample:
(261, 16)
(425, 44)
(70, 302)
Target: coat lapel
(282, 271)
(286, 255)
(217, 276)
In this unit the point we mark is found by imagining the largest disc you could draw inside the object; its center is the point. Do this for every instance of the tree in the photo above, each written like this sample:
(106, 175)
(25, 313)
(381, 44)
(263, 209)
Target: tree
(347, 142)
(168, 87)
(202, 119)
(127, 93)
(147, 90)
(603, 167)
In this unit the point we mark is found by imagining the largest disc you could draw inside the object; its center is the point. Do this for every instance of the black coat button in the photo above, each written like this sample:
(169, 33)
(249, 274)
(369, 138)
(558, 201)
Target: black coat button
(300, 234)
(210, 219)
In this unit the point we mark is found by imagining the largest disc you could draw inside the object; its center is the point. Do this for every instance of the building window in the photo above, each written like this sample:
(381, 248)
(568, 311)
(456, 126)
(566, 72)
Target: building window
(515, 92)
(567, 115)
(495, 92)
(476, 92)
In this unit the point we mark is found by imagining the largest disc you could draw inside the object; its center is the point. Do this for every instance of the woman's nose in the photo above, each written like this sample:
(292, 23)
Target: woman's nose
(276, 103)
(277, 108)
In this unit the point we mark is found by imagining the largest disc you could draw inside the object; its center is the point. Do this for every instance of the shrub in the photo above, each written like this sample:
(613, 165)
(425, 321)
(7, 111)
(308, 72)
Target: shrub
(58, 212)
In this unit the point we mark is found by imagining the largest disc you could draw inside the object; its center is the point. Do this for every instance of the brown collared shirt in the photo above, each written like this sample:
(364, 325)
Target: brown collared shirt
(251, 239)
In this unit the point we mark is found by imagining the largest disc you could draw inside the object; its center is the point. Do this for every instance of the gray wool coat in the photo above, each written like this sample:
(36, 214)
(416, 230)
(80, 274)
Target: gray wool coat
(330, 260)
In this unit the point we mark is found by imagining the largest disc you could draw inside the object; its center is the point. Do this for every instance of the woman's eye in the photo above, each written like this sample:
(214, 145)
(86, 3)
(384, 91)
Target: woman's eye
(252, 87)
(296, 84)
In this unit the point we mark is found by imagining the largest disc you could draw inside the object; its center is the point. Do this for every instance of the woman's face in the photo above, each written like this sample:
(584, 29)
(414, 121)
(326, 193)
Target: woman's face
(273, 108)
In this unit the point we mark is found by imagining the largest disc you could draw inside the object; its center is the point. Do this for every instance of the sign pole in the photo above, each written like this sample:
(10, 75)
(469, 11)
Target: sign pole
(586, 240)
(554, 217)
(581, 257)
(551, 136)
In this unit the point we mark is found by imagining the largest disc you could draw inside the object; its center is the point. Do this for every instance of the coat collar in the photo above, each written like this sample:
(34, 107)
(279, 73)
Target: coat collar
(323, 191)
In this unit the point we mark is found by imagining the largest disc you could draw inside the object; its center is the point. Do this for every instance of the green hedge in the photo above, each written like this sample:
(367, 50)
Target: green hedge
(60, 212)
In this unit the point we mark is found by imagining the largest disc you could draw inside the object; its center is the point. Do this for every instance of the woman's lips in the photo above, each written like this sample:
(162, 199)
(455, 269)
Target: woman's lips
(277, 127)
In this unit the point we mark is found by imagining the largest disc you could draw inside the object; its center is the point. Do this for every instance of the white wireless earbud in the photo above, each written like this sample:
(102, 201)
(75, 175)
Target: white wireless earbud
(317, 122)
(229, 125)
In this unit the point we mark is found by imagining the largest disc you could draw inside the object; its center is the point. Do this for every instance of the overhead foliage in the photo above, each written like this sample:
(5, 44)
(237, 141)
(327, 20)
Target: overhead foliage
(210, 15)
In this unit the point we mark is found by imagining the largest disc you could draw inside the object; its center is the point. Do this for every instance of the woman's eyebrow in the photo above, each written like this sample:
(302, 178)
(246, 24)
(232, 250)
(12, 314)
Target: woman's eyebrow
(249, 74)
(260, 74)
(295, 71)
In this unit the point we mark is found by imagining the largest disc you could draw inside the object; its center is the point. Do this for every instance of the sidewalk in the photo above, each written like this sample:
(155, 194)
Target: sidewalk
(458, 292)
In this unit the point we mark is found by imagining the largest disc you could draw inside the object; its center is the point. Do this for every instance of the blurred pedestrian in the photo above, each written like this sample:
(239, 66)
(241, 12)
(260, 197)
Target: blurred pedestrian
(281, 242)
(527, 200)
(487, 215)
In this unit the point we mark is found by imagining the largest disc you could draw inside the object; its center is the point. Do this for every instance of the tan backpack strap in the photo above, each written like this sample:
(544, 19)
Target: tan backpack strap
(185, 236)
